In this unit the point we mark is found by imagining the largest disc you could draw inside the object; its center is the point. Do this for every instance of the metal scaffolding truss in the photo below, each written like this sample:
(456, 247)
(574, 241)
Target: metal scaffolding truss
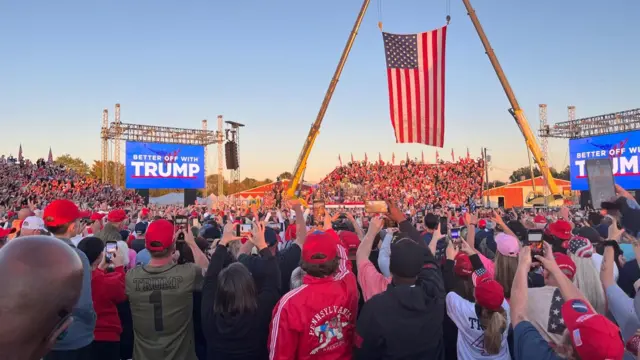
(113, 133)
(597, 125)
(159, 134)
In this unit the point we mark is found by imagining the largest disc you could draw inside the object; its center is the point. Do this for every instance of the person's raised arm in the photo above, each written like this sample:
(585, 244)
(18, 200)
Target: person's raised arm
(568, 290)
(198, 256)
(215, 266)
(356, 226)
(271, 270)
(301, 225)
(471, 221)
(519, 289)
(608, 261)
(364, 249)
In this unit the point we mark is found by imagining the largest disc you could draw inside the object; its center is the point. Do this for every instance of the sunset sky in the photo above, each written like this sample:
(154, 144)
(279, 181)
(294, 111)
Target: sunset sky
(267, 64)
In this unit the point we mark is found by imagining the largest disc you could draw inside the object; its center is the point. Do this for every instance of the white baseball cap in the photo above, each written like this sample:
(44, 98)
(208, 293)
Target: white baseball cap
(33, 223)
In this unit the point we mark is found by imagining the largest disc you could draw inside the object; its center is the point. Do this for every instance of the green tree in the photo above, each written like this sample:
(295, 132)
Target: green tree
(212, 185)
(525, 173)
(96, 171)
(75, 164)
(565, 174)
(496, 183)
(286, 175)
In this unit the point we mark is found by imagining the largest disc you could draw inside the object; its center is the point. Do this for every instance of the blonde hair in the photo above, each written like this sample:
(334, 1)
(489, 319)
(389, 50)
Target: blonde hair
(505, 272)
(587, 280)
(494, 324)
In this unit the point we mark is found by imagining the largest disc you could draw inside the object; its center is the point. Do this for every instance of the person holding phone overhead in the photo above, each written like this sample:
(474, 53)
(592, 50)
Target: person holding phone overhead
(161, 296)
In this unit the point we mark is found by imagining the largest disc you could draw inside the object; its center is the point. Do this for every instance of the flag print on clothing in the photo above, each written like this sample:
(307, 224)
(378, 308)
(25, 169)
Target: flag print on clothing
(556, 323)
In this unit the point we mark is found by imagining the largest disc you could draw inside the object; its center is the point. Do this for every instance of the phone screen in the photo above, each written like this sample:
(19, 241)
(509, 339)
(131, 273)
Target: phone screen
(455, 233)
(318, 212)
(245, 228)
(110, 249)
(536, 248)
(376, 207)
(444, 225)
(601, 183)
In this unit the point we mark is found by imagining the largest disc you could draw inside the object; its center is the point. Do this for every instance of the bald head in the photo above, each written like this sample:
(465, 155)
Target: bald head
(41, 280)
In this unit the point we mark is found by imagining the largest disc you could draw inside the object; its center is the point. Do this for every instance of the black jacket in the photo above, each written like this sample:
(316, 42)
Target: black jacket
(405, 322)
(241, 336)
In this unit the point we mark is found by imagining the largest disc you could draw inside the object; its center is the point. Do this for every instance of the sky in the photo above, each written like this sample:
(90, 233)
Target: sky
(267, 64)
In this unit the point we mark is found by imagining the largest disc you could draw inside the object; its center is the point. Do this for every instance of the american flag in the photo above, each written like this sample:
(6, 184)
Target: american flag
(415, 73)
(556, 323)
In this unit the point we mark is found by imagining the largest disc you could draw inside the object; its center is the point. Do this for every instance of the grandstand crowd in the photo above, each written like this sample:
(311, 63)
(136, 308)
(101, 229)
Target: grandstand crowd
(89, 272)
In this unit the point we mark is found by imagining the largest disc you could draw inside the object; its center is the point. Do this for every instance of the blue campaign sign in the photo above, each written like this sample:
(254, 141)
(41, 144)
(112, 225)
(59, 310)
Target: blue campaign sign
(621, 148)
(164, 166)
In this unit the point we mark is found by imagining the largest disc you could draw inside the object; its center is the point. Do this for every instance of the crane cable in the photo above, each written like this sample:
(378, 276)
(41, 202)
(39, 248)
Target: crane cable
(447, 9)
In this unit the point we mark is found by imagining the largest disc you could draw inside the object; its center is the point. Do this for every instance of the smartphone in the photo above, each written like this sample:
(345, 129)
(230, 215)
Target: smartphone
(535, 243)
(376, 207)
(274, 226)
(243, 229)
(318, 212)
(388, 223)
(602, 186)
(110, 248)
(455, 234)
(180, 222)
(444, 225)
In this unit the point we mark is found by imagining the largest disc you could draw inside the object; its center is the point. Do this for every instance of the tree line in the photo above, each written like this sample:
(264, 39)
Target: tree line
(95, 171)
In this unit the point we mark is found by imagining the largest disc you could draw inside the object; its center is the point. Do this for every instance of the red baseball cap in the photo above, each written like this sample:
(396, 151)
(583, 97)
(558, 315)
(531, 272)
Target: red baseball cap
(565, 264)
(60, 212)
(159, 235)
(6, 232)
(489, 294)
(116, 216)
(320, 243)
(85, 214)
(96, 216)
(349, 239)
(144, 211)
(593, 336)
(482, 223)
(463, 266)
(560, 229)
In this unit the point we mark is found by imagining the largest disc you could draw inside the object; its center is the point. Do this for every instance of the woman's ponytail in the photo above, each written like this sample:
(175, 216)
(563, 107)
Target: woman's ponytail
(494, 324)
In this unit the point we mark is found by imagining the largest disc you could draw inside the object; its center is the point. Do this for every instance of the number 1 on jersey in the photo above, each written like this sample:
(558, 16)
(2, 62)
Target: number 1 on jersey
(156, 299)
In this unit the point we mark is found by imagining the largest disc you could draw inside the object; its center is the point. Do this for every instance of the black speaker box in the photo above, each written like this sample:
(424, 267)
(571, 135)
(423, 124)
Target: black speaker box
(190, 197)
(231, 155)
(144, 193)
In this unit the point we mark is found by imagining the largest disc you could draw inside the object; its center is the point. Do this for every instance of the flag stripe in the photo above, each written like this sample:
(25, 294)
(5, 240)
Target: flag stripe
(392, 103)
(443, 45)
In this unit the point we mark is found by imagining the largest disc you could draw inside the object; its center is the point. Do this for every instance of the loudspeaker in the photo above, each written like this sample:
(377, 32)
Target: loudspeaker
(231, 155)
(144, 193)
(585, 199)
(190, 196)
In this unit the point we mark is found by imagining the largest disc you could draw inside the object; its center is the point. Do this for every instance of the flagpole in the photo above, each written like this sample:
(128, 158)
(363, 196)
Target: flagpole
(315, 128)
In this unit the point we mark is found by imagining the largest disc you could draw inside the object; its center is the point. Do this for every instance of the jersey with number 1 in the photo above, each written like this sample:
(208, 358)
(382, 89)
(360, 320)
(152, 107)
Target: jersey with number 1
(161, 301)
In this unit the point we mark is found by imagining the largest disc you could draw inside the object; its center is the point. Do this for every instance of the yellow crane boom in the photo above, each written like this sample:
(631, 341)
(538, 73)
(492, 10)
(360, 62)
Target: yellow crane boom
(515, 110)
(301, 165)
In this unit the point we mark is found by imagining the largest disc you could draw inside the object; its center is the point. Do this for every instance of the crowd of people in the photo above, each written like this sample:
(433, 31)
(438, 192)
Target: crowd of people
(40, 182)
(414, 184)
(151, 282)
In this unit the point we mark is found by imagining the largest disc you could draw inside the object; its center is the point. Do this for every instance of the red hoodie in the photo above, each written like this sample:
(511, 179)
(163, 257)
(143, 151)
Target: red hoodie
(107, 290)
(317, 320)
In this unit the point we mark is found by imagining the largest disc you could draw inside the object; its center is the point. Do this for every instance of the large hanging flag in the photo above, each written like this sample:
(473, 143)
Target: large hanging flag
(50, 158)
(415, 74)
(20, 153)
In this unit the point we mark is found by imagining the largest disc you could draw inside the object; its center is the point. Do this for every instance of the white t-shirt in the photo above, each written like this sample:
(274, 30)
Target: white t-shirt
(470, 332)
